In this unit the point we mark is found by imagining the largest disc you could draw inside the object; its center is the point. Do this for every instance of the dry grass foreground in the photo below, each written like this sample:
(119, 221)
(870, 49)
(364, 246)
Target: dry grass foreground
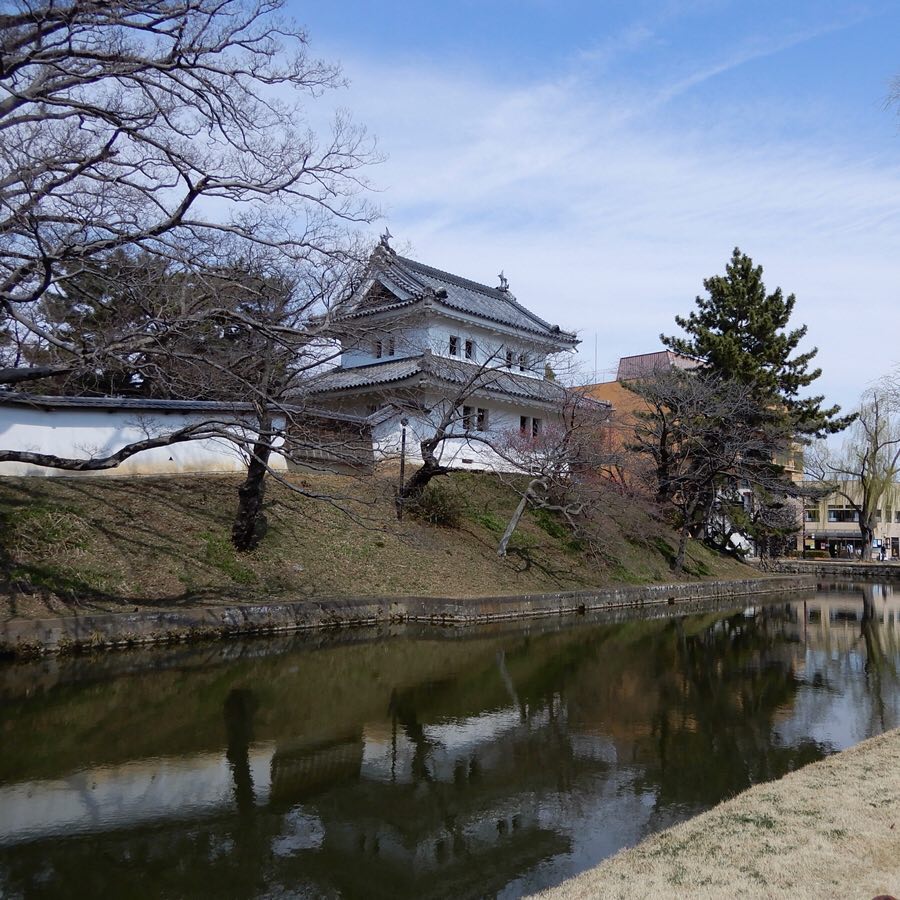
(828, 830)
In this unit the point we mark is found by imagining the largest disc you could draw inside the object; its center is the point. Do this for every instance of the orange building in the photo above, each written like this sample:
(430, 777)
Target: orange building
(626, 403)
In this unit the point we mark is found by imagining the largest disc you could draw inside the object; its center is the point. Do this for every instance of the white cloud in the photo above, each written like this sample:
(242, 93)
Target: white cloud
(607, 223)
(754, 48)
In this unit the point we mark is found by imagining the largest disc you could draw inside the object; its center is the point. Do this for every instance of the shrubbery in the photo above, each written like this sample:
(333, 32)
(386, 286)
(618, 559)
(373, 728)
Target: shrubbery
(438, 505)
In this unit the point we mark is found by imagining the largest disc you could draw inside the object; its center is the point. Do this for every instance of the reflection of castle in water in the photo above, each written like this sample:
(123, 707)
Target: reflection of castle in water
(460, 786)
(435, 804)
(459, 799)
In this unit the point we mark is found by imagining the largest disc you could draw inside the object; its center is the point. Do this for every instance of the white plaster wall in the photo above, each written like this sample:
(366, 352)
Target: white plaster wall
(435, 336)
(87, 433)
(457, 453)
(408, 341)
(489, 345)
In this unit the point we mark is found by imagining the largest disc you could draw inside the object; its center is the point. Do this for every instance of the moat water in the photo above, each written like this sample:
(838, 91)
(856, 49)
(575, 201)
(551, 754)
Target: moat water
(421, 763)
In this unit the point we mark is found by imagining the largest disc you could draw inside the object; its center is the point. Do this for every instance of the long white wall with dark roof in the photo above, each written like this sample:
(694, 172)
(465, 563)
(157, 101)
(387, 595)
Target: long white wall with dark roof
(90, 433)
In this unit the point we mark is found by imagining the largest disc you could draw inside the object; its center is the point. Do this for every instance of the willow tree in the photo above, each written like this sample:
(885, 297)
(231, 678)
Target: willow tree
(865, 468)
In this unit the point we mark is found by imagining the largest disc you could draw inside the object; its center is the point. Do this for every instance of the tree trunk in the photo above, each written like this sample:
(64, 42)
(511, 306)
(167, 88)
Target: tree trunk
(678, 564)
(867, 531)
(705, 502)
(511, 526)
(690, 521)
(663, 463)
(249, 522)
(429, 469)
(530, 494)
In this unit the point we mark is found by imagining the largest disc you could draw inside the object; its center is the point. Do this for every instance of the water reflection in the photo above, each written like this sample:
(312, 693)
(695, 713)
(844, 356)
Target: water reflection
(429, 764)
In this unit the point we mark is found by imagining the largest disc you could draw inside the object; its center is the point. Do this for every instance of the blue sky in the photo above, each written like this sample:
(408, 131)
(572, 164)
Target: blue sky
(608, 156)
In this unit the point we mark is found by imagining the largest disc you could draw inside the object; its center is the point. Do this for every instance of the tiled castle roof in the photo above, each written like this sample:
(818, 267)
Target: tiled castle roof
(439, 369)
(410, 281)
(144, 404)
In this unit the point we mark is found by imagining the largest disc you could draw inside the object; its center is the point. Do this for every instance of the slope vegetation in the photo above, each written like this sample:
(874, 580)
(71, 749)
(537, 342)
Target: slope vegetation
(78, 544)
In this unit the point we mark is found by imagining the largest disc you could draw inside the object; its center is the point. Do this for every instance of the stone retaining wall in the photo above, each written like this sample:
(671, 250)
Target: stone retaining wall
(79, 633)
(839, 569)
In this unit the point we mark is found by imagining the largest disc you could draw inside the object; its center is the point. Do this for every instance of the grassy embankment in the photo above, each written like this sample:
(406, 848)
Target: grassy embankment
(78, 544)
(830, 829)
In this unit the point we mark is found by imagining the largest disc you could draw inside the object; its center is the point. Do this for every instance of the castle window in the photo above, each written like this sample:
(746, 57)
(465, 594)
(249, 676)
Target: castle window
(523, 362)
(454, 345)
(529, 427)
(470, 349)
(391, 348)
(468, 415)
(377, 349)
(481, 422)
(509, 359)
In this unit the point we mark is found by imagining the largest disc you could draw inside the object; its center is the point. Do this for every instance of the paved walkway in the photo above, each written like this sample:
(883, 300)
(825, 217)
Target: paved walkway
(829, 830)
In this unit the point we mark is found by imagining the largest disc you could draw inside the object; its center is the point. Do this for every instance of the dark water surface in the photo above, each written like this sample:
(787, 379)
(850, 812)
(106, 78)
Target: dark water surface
(441, 763)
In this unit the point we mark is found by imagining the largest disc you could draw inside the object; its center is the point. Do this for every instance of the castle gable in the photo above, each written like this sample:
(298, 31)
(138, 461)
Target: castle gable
(396, 281)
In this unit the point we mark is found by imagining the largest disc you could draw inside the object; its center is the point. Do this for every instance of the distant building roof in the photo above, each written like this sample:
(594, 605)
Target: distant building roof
(409, 282)
(439, 369)
(644, 364)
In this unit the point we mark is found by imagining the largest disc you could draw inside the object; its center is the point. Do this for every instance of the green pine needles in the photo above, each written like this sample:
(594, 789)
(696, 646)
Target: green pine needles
(740, 332)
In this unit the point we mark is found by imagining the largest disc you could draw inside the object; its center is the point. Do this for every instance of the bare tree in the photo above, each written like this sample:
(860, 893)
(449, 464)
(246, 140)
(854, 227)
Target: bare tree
(162, 127)
(447, 418)
(156, 183)
(454, 391)
(867, 464)
(564, 465)
(256, 359)
(273, 360)
(704, 436)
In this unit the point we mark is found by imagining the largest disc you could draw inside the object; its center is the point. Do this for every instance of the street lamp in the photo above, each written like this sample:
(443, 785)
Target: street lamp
(403, 423)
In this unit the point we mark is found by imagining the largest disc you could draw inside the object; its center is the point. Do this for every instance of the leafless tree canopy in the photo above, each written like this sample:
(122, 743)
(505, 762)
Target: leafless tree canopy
(704, 435)
(165, 127)
(568, 466)
(868, 463)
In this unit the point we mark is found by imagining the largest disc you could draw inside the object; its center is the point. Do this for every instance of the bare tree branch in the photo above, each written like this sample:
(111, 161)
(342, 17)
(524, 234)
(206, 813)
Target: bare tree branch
(867, 464)
(164, 128)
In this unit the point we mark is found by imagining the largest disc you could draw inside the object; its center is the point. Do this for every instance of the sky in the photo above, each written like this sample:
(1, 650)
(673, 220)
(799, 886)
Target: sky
(609, 156)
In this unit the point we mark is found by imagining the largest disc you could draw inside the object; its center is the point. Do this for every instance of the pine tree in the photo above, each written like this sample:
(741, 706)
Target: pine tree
(740, 332)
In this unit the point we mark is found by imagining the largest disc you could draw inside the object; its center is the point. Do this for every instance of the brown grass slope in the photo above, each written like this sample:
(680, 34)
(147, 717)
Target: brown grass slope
(76, 544)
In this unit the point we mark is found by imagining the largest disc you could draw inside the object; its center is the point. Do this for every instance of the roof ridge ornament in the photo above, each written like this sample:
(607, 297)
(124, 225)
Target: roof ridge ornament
(384, 240)
(504, 282)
